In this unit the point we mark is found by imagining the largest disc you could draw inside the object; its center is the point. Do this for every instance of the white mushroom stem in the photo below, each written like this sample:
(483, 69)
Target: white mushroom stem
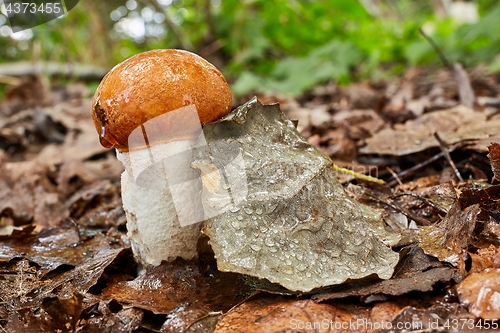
(161, 199)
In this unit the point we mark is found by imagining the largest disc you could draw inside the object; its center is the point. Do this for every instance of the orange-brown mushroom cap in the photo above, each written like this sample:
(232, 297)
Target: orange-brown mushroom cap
(151, 84)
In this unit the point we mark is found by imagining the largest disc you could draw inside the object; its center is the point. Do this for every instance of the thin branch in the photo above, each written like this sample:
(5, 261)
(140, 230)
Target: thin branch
(394, 175)
(427, 201)
(465, 91)
(413, 169)
(403, 211)
(437, 49)
(410, 171)
(446, 153)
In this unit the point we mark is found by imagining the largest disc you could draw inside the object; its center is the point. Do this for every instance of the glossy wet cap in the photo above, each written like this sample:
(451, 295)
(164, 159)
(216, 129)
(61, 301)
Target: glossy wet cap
(151, 84)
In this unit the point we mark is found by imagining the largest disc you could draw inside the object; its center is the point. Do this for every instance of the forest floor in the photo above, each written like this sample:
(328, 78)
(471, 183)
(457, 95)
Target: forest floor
(66, 263)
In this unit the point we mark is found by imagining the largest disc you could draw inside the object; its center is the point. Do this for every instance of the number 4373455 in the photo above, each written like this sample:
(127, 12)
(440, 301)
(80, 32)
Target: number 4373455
(33, 8)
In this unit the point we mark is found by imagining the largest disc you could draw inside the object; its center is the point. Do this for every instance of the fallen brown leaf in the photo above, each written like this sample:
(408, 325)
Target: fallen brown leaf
(163, 288)
(453, 125)
(494, 156)
(480, 293)
(276, 314)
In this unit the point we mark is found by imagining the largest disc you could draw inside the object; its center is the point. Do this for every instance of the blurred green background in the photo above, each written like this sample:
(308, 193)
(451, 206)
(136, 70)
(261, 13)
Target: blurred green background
(269, 46)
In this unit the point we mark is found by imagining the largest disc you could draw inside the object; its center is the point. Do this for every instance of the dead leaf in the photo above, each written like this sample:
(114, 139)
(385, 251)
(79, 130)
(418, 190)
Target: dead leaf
(416, 272)
(191, 318)
(480, 293)
(64, 312)
(359, 123)
(162, 288)
(126, 320)
(54, 247)
(361, 96)
(453, 125)
(293, 224)
(494, 157)
(277, 314)
(449, 240)
(485, 258)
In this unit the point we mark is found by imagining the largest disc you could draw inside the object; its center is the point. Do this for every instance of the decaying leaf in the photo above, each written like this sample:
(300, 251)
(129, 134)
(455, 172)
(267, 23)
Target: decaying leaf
(480, 293)
(415, 272)
(449, 240)
(164, 288)
(294, 224)
(65, 312)
(53, 247)
(275, 314)
(191, 319)
(485, 258)
(453, 125)
(494, 157)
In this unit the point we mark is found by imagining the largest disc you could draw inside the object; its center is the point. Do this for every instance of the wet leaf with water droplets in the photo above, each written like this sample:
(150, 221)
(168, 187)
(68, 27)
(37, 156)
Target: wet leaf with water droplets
(292, 189)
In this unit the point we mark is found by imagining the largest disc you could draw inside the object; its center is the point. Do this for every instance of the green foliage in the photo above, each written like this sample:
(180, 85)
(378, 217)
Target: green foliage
(285, 46)
(293, 75)
(469, 44)
(297, 45)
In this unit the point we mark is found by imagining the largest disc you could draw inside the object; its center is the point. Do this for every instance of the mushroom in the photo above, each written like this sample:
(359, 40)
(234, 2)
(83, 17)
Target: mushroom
(151, 108)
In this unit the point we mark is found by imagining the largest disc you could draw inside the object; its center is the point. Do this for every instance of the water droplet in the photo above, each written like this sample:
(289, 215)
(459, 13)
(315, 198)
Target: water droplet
(269, 242)
(271, 208)
(288, 262)
(300, 256)
(234, 209)
(255, 247)
(105, 143)
(334, 253)
(235, 225)
(263, 228)
(239, 218)
(248, 210)
(258, 211)
(301, 267)
(308, 274)
(358, 241)
(273, 249)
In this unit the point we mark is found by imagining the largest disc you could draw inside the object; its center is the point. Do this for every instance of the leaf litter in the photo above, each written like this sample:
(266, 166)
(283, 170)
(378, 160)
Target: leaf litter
(65, 262)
